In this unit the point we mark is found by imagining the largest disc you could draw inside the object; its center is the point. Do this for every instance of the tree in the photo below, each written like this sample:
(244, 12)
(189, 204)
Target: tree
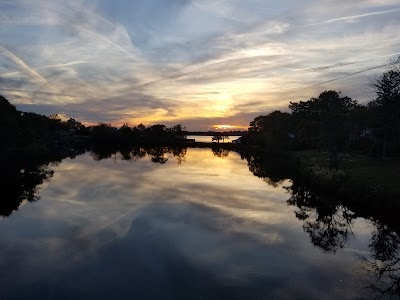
(9, 122)
(178, 131)
(74, 125)
(305, 123)
(104, 134)
(327, 121)
(385, 109)
(272, 130)
(217, 137)
(158, 130)
(125, 134)
(257, 125)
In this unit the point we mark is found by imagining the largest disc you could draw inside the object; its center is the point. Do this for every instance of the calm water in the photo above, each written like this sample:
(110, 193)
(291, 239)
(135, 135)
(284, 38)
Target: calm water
(208, 139)
(194, 226)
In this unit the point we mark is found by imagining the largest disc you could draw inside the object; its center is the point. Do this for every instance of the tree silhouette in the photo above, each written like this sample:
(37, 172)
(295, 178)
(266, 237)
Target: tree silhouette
(217, 137)
(272, 131)
(385, 110)
(328, 120)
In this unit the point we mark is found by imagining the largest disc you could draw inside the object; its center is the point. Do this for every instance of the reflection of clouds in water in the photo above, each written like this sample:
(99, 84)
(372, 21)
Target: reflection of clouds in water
(231, 224)
(89, 204)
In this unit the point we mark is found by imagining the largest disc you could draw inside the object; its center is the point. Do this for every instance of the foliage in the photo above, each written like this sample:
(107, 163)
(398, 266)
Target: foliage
(385, 111)
(157, 134)
(272, 130)
(328, 120)
(217, 138)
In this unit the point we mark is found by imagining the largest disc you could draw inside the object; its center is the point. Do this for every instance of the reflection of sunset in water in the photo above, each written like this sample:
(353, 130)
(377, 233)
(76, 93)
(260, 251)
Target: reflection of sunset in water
(132, 217)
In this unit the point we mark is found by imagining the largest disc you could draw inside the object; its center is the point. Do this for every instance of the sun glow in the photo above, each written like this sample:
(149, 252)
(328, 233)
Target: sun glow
(229, 127)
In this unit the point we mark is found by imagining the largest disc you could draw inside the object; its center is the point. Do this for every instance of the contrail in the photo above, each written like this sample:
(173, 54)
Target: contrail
(354, 17)
(72, 63)
(344, 76)
(355, 73)
(22, 64)
(361, 16)
(36, 92)
(108, 41)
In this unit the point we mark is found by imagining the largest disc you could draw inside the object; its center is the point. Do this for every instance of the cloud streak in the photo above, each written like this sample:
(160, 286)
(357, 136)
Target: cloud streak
(199, 62)
(355, 17)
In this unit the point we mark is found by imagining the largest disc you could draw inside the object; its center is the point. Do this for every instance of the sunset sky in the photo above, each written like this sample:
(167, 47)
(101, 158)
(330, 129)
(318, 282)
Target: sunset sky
(201, 63)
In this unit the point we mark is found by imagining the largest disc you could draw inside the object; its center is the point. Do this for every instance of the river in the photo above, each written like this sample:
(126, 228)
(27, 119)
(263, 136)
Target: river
(183, 224)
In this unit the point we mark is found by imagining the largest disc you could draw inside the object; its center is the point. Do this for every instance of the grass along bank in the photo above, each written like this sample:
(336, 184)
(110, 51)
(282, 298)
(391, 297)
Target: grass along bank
(359, 171)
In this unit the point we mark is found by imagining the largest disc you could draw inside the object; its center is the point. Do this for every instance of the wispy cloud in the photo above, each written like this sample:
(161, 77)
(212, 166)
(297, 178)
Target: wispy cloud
(355, 17)
(188, 61)
(20, 64)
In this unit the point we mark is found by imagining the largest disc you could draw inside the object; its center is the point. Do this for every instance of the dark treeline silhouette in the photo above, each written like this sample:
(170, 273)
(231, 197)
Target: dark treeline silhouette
(22, 130)
(105, 134)
(337, 124)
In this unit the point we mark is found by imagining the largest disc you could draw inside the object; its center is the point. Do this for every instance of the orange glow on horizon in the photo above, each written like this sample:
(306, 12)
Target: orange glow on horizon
(230, 127)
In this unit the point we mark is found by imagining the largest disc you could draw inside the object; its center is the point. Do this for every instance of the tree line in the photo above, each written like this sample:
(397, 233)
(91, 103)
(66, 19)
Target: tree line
(336, 123)
(34, 132)
(331, 122)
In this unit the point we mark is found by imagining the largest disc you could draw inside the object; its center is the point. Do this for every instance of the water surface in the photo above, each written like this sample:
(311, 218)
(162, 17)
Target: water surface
(208, 138)
(190, 225)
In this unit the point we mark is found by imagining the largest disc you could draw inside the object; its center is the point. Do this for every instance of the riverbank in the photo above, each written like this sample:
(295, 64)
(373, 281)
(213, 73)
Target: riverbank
(359, 169)
(365, 185)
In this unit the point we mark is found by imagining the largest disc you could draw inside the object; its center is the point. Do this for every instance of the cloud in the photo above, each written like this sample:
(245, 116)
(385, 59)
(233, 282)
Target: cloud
(189, 60)
(355, 17)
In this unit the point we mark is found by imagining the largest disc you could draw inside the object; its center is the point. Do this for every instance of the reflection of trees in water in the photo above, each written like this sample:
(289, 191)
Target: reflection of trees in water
(100, 153)
(220, 152)
(384, 262)
(329, 224)
(273, 170)
(156, 154)
(179, 154)
(326, 220)
(20, 184)
(22, 174)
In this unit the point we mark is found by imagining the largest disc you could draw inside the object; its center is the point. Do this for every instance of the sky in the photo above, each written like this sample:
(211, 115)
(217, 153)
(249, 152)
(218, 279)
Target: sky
(205, 64)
